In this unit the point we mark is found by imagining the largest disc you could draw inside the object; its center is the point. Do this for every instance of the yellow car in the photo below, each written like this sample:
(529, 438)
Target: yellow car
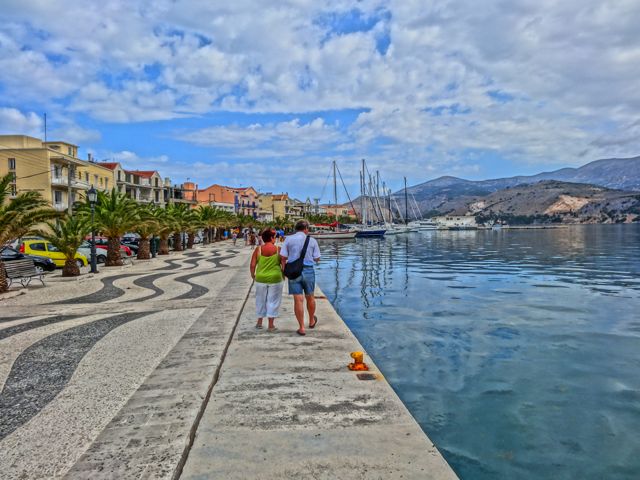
(43, 248)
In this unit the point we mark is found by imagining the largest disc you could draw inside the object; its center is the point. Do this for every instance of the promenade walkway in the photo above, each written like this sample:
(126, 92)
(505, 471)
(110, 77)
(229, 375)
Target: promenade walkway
(155, 371)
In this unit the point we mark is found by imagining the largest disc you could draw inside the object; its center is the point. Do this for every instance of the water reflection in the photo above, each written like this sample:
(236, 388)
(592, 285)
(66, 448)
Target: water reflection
(523, 344)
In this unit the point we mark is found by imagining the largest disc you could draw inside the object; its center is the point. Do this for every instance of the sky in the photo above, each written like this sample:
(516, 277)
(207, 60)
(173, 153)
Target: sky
(268, 94)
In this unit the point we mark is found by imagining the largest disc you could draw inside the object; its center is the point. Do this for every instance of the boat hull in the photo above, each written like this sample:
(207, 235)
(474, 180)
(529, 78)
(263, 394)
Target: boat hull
(333, 235)
(371, 233)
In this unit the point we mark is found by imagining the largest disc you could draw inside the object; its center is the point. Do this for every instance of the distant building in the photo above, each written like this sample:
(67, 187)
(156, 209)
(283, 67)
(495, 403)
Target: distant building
(344, 210)
(456, 222)
(52, 169)
(143, 186)
(240, 200)
(280, 205)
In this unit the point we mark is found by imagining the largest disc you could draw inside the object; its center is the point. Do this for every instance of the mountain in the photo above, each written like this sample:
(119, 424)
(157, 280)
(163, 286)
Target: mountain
(550, 200)
(613, 173)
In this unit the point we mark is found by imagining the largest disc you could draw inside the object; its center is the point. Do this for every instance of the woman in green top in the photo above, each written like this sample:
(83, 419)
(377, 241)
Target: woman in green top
(267, 273)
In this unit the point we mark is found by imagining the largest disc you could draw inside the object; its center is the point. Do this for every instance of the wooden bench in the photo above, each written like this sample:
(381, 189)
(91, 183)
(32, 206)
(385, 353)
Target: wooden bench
(24, 269)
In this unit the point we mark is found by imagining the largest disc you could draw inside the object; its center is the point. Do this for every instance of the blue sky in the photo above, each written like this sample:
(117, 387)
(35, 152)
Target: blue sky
(212, 92)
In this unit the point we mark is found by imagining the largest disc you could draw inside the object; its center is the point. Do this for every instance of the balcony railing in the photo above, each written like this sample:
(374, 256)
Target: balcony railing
(60, 207)
(59, 180)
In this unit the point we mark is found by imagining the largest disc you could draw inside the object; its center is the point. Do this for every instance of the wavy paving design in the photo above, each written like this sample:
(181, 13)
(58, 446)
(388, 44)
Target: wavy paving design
(147, 282)
(193, 254)
(192, 261)
(196, 290)
(11, 331)
(108, 291)
(40, 372)
(216, 261)
(171, 265)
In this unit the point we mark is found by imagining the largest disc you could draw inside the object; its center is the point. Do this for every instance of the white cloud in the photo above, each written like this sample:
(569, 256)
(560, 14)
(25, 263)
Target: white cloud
(570, 70)
(15, 122)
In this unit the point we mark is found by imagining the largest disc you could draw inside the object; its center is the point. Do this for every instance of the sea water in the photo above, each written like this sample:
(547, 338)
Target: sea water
(517, 351)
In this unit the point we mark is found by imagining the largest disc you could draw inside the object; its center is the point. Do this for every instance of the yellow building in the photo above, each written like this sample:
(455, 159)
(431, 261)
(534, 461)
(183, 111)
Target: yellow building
(281, 205)
(52, 169)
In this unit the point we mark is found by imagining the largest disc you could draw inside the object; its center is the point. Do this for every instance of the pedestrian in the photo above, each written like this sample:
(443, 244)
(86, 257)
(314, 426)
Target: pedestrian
(252, 239)
(245, 235)
(302, 287)
(234, 237)
(266, 270)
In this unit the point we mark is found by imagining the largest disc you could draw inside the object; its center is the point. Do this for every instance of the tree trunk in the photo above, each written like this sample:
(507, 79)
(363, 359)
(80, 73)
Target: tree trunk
(144, 249)
(177, 242)
(190, 240)
(205, 236)
(164, 245)
(70, 268)
(114, 259)
(4, 285)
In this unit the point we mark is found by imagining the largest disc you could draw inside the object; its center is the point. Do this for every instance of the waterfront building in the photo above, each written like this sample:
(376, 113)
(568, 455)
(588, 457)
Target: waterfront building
(343, 210)
(240, 200)
(280, 205)
(143, 186)
(455, 222)
(52, 169)
(186, 192)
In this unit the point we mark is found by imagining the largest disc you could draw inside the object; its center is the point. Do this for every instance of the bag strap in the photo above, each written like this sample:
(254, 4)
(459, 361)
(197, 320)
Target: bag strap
(304, 249)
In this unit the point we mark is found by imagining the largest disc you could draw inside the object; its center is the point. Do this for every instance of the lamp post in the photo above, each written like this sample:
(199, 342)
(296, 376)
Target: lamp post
(92, 195)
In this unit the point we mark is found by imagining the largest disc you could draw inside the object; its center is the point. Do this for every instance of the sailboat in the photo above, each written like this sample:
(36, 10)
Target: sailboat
(332, 231)
(367, 229)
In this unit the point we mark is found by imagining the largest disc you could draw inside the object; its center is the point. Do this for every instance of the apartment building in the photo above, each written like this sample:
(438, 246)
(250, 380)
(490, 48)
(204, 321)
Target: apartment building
(240, 200)
(143, 186)
(52, 169)
(280, 205)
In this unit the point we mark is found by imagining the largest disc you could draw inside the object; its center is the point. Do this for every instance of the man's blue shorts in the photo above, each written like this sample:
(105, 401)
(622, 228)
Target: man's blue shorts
(305, 283)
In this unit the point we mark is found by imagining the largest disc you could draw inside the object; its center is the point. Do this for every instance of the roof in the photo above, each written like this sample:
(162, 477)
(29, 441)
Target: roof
(143, 173)
(109, 165)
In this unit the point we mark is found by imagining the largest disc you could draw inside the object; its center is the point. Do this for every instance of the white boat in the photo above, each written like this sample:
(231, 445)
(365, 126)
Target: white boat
(328, 235)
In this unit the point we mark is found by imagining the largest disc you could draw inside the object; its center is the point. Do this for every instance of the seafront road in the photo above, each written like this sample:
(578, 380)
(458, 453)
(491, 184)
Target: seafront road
(154, 370)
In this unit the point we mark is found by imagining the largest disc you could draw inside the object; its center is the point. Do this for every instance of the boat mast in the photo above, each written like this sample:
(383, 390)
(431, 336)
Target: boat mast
(362, 193)
(406, 203)
(335, 195)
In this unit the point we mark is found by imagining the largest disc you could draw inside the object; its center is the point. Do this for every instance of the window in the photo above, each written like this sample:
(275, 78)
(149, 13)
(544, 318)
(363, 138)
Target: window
(106, 183)
(12, 164)
(95, 180)
(57, 196)
(57, 171)
(38, 247)
(100, 180)
(86, 177)
(14, 191)
(70, 151)
(156, 182)
(119, 176)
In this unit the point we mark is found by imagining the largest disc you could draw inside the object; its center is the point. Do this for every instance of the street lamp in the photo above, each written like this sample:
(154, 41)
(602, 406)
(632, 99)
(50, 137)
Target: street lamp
(92, 195)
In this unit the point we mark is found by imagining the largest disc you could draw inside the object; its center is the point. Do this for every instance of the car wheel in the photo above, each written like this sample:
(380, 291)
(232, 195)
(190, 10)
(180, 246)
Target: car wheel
(39, 270)
(80, 263)
(101, 259)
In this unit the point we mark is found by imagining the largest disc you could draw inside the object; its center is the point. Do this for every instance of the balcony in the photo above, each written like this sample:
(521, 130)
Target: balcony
(59, 181)
(60, 207)
(81, 184)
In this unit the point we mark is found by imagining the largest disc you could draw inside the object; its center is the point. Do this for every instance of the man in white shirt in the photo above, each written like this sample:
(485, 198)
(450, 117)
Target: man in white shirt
(302, 287)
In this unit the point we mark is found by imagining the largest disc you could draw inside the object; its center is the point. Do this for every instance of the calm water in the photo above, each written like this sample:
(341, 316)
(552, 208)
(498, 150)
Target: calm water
(517, 351)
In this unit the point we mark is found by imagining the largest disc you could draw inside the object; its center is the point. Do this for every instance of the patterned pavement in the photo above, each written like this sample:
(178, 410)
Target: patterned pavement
(81, 359)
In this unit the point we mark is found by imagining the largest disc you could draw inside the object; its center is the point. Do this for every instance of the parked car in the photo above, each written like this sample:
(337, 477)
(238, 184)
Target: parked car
(101, 251)
(43, 264)
(43, 248)
(103, 243)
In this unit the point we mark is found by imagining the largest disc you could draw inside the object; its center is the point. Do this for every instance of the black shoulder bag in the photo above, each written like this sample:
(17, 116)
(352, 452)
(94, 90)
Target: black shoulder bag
(293, 269)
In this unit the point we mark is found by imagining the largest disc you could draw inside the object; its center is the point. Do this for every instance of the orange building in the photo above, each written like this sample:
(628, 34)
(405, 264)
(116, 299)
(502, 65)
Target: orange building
(241, 200)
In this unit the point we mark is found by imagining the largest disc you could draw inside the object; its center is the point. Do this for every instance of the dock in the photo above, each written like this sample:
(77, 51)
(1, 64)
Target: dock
(170, 379)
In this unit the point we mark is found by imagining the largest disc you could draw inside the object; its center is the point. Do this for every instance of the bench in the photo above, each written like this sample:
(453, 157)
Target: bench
(24, 269)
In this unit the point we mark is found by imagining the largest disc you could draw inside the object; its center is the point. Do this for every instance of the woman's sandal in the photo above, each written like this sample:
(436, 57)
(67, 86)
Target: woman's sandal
(300, 333)
(315, 322)
(259, 327)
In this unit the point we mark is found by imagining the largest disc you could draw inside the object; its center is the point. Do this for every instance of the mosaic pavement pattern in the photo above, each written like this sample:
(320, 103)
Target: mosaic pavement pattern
(81, 360)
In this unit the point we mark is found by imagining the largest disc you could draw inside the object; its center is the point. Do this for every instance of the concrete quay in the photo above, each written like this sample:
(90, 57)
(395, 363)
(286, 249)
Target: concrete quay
(156, 371)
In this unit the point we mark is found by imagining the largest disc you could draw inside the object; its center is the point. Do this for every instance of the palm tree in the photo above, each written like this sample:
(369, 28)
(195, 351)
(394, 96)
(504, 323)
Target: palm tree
(18, 216)
(194, 223)
(67, 235)
(180, 215)
(165, 226)
(147, 226)
(115, 215)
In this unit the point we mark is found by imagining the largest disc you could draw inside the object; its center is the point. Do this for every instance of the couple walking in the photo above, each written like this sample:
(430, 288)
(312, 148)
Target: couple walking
(267, 265)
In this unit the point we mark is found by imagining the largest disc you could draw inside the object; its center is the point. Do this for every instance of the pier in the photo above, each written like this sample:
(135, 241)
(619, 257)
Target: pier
(155, 370)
